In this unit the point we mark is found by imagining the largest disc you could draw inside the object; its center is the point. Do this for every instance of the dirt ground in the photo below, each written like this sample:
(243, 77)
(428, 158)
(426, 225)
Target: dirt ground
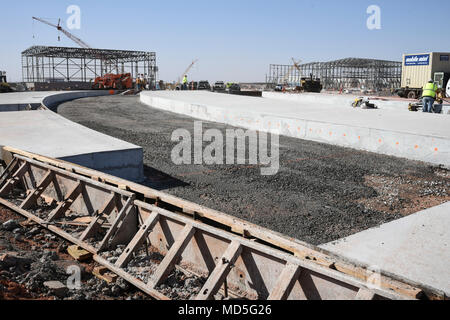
(31, 255)
(320, 194)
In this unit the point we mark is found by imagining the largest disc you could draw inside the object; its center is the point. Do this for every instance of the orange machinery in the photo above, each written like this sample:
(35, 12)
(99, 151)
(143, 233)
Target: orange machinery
(114, 81)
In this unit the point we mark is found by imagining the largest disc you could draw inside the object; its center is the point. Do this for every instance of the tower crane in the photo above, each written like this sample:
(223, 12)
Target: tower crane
(75, 39)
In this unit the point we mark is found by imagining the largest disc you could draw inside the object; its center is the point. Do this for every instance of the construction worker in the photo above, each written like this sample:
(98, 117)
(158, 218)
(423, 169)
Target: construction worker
(185, 81)
(138, 83)
(429, 95)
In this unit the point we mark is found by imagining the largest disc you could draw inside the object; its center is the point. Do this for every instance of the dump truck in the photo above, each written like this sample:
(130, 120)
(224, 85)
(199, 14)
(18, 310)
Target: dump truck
(114, 81)
(418, 69)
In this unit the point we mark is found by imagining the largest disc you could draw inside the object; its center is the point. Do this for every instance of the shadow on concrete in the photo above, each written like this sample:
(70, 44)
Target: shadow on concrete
(159, 180)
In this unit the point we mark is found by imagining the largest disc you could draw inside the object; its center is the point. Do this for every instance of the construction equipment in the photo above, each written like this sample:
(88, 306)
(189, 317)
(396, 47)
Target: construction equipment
(436, 108)
(75, 39)
(113, 81)
(3, 77)
(227, 257)
(308, 84)
(4, 86)
(363, 103)
(177, 84)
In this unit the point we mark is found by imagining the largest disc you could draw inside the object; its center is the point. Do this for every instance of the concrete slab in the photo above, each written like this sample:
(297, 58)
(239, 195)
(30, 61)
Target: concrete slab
(416, 247)
(391, 104)
(45, 132)
(417, 136)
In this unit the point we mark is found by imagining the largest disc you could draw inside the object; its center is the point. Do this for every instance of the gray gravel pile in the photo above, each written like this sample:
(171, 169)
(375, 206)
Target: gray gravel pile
(320, 193)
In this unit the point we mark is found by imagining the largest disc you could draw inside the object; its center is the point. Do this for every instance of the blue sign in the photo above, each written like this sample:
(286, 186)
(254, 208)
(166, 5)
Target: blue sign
(417, 60)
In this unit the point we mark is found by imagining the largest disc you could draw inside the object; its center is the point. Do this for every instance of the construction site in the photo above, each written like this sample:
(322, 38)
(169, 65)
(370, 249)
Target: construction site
(356, 205)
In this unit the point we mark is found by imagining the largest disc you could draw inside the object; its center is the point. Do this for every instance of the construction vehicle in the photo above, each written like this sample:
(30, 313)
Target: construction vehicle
(204, 85)
(4, 86)
(219, 86)
(3, 77)
(114, 81)
(418, 69)
(310, 84)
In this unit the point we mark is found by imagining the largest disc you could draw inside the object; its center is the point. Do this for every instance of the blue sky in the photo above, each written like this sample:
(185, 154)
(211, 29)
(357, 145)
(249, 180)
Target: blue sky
(233, 40)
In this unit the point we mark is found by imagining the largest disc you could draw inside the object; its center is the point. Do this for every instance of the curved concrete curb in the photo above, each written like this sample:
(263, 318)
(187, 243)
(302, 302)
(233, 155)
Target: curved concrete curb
(18, 101)
(46, 133)
(386, 136)
(51, 100)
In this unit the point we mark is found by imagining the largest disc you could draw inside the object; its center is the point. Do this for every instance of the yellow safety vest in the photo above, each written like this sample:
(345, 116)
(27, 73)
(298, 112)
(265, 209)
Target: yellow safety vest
(429, 90)
(184, 80)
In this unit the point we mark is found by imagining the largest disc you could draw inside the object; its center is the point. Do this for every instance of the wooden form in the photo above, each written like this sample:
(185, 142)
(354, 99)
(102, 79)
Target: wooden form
(287, 269)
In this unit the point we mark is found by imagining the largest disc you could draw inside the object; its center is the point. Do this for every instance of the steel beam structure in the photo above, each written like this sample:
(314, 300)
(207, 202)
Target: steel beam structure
(64, 64)
(369, 74)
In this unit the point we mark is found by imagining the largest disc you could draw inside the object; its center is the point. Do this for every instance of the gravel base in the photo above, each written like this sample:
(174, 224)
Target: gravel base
(320, 194)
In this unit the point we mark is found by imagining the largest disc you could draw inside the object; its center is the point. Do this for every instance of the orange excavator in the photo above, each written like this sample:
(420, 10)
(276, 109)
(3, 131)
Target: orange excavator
(114, 81)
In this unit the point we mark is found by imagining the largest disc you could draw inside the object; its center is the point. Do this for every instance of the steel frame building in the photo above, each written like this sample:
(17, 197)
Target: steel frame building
(64, 64)
(346, 73)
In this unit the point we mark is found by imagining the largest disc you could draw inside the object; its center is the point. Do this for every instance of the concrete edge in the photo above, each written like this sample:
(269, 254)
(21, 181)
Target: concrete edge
(430, 149)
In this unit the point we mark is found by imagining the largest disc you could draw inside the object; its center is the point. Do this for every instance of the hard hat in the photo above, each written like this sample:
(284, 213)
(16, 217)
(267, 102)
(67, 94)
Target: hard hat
(430, 81)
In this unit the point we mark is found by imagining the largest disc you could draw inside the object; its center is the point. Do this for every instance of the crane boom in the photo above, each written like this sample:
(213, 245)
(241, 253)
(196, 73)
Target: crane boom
(185, 72)
(285, 79)
(75, 39)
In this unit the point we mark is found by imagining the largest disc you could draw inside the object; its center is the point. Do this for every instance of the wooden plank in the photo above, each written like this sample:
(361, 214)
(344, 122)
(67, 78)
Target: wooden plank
(112, 230)
(137, 239)
(15, 178)
(220, 272)
(40, 188)
(171, 257)
(285, 282)
(7, 169)
(72, 175)
(50, 227)
(65, 205)
(100, 219)
(135, 282)
(364, 294)
(78, 253)
(103, 274)
(304, 263)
